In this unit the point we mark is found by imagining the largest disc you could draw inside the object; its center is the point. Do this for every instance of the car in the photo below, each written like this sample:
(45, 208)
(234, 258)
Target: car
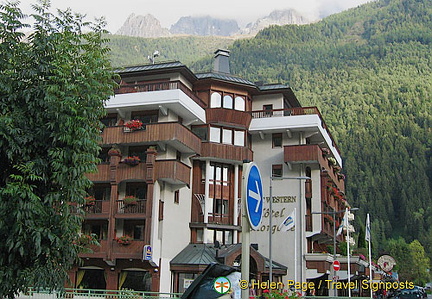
(409, 293)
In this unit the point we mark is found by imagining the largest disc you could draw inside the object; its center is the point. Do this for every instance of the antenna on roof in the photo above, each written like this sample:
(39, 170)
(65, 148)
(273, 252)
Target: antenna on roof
(153, 56)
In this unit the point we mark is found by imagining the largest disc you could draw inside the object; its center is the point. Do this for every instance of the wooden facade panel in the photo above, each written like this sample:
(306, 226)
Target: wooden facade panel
(126, 172)
(226, 151)
(173, 170)
(151, 134)
(102, 174)
(133, 250)
(312, 153)
(229, 116)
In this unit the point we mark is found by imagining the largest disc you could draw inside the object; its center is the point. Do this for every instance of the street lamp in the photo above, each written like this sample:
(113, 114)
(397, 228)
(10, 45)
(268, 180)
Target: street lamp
(334, 213)
(279, 178)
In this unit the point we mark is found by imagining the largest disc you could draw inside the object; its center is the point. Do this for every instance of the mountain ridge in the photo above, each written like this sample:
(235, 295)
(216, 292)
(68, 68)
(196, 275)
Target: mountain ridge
(149, 26)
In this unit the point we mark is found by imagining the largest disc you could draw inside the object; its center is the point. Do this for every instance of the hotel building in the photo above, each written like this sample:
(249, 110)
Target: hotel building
(181, 163)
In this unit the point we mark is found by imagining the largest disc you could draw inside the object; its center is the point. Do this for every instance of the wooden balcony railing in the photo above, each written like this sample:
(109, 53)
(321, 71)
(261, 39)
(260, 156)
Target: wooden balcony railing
(226, 151)
(309, 153)
(219, 218)
(134, 250)
(230, 116)
(126, 172)
(138, 208)
(173, 171)
(96, 251)
(147, 87)
(294, 112)
(173, 133)
(99, 207)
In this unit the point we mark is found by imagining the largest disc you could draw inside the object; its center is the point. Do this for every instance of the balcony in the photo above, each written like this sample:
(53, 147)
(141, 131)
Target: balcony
(126, 172)
(226, 152)
(173, 172)
(308, 120)
(174, 96)
(125, 211)
(130, 251)
(228, 116)
(132, 88)
(173, 134)
(97, 251)
(312, 153)
(99, 210)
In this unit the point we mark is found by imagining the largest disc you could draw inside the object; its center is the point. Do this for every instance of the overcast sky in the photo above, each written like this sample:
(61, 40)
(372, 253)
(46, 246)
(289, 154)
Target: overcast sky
(168, 11)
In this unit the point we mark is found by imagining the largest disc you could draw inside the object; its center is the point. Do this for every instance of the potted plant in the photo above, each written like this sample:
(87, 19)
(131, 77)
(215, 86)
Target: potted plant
(130, 200)
(134, 124)
(325, 151)
(132, 161)
(124, 240)
(114, 152)
(90, 200)
(341, 176)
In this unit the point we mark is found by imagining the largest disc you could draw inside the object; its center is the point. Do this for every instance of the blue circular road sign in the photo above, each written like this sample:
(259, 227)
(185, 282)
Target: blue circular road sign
(253, 195)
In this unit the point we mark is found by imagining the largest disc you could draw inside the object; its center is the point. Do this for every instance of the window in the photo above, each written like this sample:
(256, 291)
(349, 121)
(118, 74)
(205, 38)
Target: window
(139, 151)
(99, 228)
(147, 117)
(227, 136)
(228, 102)
(177, 196)
(135, 229)
(215, 134)
(101, 191)
(268, 110)
(240, 104)
(201, 132)
(277, 139)
(239, 138)
(277, 170)
(220, 189)
(138, 190)
(215, 100)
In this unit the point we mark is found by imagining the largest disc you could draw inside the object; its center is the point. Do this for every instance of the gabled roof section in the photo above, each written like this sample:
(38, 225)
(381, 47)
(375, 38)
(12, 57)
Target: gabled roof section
(157, 68)
(225, 77)
(195, 254)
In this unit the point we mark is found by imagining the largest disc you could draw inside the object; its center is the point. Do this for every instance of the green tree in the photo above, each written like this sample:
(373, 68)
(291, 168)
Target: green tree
(52, 88)
(412, 262)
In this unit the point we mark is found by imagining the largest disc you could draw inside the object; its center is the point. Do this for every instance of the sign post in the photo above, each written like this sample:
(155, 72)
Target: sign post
(336, 266)
(252, 212)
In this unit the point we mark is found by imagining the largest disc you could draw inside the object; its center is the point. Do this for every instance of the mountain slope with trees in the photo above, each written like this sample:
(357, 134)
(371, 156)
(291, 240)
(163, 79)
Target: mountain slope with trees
(369, 70)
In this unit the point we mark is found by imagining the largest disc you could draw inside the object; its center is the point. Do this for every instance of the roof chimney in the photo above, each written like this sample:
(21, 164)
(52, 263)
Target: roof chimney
(221, 63)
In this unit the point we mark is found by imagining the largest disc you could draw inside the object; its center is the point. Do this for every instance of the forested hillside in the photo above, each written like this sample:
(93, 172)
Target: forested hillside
(127, 51)
(369, 70)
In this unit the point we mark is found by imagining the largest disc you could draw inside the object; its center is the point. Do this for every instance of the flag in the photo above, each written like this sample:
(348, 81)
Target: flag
(343, 224)
(368, 231)
(289, 222)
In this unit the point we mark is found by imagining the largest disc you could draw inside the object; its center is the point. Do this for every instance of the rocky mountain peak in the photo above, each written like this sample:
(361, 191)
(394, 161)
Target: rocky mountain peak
(143, 26)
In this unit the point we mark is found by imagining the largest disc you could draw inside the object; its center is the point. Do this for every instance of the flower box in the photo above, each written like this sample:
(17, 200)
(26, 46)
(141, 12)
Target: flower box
(124, 240)
(132, 161)
(130, 200)
(134, 124)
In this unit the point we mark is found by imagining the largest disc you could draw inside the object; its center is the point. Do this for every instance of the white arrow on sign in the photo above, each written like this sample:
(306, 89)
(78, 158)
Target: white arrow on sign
(256, 196)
